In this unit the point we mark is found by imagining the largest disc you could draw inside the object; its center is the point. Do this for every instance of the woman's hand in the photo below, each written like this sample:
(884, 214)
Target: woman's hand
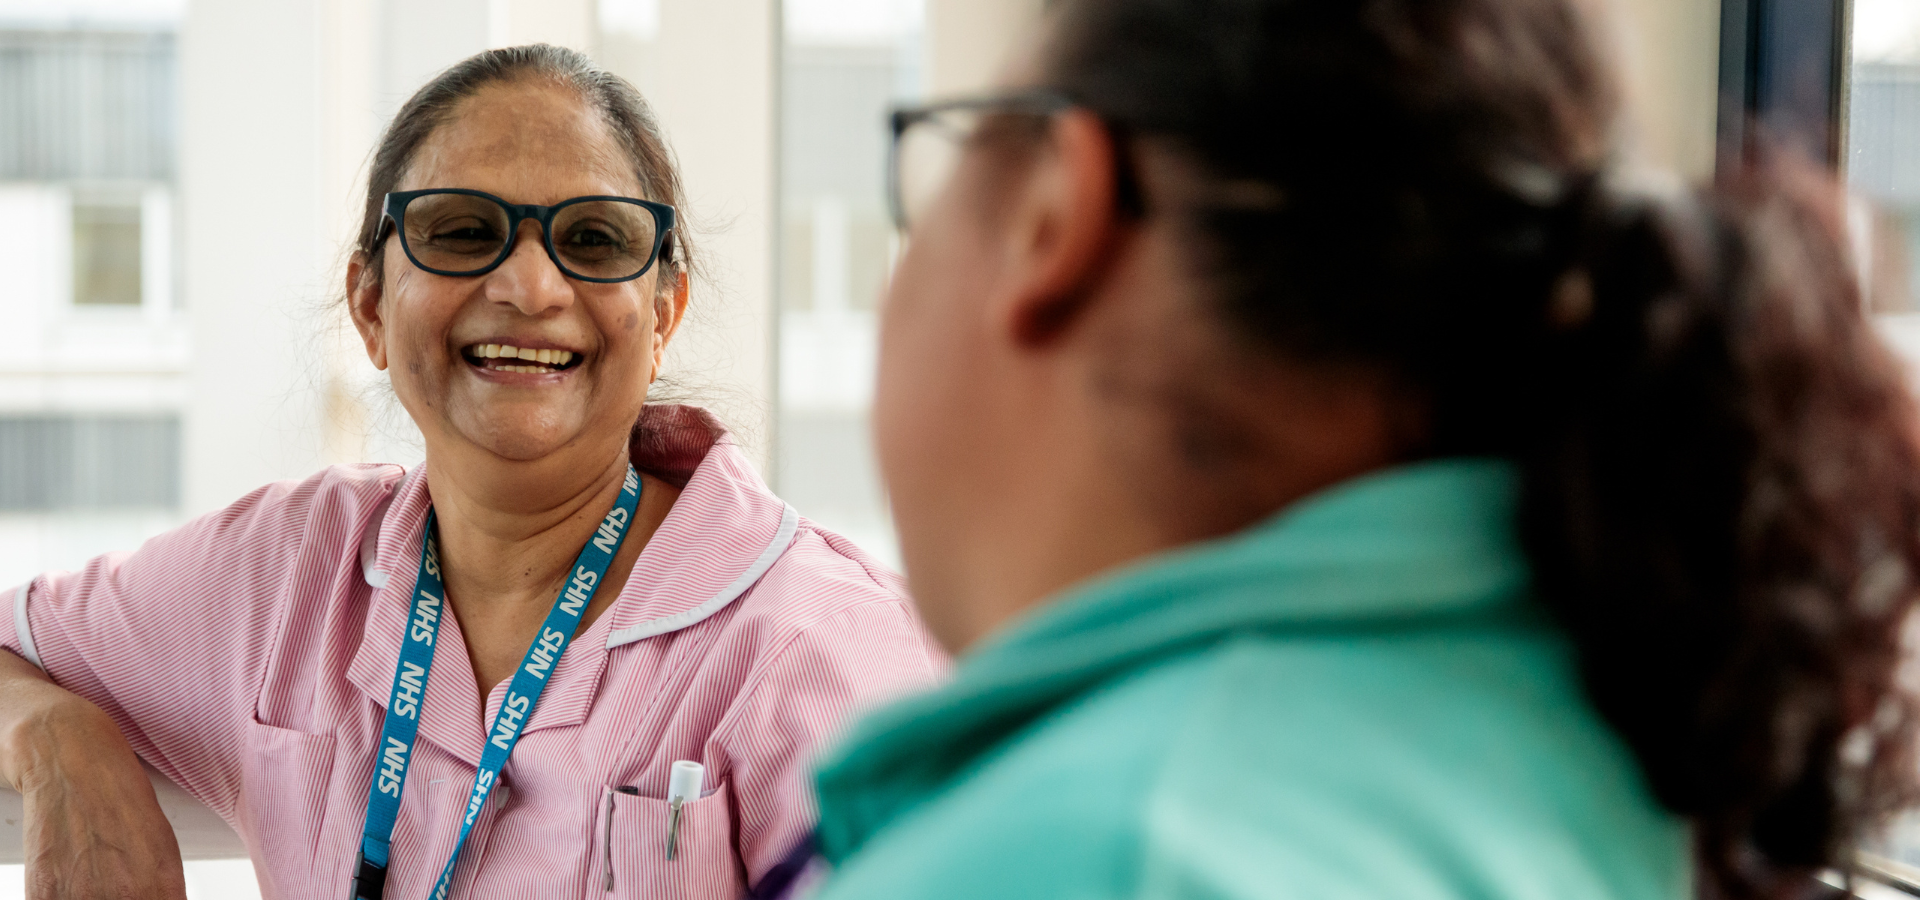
(94, 830)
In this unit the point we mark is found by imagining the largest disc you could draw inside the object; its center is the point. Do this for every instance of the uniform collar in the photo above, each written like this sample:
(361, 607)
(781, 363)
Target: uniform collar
(725, 530)
(1411, 547)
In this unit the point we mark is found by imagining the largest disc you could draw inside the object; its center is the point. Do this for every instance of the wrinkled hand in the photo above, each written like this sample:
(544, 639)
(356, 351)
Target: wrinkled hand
(94, 830)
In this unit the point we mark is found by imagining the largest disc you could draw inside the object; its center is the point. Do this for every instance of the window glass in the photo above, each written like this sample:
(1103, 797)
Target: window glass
(1883, 113)
(1883, 165)
(59, 462)
(106, 250)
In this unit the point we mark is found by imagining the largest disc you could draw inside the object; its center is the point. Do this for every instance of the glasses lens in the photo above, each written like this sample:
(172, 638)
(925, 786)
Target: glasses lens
(604, 238)
(454, 233)
(929, 151)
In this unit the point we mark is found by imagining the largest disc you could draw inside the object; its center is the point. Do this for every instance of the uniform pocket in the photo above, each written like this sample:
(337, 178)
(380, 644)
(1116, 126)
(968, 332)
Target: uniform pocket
(284, 778)
(632, 834)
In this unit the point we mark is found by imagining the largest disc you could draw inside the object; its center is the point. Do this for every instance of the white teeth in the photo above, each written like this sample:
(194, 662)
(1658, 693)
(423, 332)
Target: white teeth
(545, 358)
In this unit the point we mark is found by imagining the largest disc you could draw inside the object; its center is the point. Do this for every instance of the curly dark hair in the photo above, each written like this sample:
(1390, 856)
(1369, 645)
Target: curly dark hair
(1721, 474)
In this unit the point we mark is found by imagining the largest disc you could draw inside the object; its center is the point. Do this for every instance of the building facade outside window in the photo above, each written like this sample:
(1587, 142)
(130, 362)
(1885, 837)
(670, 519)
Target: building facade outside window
(1883, 115)
(91, 389)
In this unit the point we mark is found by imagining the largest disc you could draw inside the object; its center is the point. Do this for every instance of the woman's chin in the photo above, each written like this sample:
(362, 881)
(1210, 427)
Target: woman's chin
(520, 442)
(523, 449)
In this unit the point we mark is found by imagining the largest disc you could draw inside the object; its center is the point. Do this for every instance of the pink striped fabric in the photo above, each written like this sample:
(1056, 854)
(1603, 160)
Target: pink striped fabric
(248, 656)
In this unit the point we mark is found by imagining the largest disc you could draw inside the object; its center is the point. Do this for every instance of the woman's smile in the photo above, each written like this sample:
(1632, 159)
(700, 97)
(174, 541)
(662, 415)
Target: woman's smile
(512, 361)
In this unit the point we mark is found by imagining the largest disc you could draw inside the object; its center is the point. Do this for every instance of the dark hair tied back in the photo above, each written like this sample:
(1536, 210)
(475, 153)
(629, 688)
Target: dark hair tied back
(1719, 457)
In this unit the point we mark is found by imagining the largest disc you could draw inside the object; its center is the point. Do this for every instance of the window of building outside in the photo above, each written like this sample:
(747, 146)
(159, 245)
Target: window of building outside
(106, 248)
(1883, 115)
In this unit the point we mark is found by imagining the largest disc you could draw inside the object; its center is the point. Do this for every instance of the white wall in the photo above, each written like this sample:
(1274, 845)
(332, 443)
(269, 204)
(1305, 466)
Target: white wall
(255, 252)
(970, 40)
(1670, 53)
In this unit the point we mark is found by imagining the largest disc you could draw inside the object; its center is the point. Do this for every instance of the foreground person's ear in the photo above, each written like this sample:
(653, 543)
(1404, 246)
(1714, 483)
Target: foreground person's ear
(363, 304)
(1061, 224)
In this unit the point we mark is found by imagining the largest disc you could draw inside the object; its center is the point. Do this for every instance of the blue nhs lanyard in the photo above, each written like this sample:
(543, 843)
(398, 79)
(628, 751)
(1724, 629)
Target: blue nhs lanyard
(523, 692)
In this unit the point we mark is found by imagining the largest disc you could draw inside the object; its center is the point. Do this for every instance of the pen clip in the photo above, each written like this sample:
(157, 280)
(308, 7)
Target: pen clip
(684, 782)
(673, 827)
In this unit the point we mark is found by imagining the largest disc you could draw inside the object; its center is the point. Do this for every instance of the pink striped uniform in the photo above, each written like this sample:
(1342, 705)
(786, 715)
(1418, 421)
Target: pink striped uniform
(248, 656)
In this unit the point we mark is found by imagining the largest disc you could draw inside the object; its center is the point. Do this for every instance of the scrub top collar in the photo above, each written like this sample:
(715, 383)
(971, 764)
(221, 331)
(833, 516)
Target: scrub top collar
(1418, 546)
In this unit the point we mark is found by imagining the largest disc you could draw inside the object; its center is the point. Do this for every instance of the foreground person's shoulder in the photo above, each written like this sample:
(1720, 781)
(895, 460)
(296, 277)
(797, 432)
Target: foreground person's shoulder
(1444, 766)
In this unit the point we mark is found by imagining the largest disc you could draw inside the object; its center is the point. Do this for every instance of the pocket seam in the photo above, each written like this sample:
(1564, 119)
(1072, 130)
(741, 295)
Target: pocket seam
(712, 805)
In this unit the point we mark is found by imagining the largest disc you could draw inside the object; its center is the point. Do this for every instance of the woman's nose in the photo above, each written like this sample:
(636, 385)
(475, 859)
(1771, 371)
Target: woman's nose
(528, 278)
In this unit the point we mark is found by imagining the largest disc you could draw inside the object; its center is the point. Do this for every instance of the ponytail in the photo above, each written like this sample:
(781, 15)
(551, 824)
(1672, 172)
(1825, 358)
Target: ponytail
(1723, 512)
(1721, 486)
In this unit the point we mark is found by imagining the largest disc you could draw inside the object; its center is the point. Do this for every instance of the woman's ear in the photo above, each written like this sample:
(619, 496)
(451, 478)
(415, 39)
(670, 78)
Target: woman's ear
(364, 291)
(1064, 225)
(669, 307)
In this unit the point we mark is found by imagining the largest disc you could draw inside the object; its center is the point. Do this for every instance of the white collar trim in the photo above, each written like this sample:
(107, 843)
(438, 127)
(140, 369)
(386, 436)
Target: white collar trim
(370, 541)
(782, 539)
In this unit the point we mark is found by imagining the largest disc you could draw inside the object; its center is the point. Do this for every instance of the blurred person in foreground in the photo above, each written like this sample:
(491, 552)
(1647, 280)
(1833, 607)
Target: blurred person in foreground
(1342, 481)
(346, 667)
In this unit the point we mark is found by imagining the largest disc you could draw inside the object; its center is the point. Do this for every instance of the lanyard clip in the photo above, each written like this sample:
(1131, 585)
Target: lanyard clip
(369, 880)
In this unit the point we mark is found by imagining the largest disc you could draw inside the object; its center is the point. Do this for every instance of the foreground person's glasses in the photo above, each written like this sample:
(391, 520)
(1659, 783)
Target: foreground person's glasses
(928, 140)
(451, 231)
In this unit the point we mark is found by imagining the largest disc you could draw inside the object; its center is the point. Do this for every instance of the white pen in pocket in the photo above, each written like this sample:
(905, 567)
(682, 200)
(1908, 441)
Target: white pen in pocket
(683, 787)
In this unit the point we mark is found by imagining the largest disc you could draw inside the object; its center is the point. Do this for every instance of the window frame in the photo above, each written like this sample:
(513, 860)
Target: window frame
(1783, 78)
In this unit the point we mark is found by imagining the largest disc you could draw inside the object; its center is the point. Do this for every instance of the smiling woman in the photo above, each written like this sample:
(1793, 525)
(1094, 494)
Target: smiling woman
(607, 586)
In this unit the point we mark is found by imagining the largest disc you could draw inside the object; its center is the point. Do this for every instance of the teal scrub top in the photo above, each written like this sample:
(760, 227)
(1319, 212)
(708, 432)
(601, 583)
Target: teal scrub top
(1354, 699)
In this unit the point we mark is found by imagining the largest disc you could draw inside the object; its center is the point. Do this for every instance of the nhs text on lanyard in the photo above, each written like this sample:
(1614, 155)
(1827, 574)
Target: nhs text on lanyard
(523, 692)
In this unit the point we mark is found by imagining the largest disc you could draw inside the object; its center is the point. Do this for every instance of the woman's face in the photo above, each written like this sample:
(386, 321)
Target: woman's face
(526, 142)
(939, 421)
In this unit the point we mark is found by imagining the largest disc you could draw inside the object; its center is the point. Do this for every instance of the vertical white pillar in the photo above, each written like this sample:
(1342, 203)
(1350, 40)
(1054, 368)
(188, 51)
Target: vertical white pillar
(1670, 62)
(350, 123)
(156, 255)
(832, 255)
(254, 256)
(715, 93)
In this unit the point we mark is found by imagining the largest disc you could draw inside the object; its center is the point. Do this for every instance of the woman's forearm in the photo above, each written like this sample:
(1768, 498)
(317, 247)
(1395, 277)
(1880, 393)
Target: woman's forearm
(93, 827)
(39, 721)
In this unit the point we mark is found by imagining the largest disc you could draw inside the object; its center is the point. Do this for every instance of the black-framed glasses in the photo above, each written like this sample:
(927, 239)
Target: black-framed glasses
(928, 141)
(454, 231)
